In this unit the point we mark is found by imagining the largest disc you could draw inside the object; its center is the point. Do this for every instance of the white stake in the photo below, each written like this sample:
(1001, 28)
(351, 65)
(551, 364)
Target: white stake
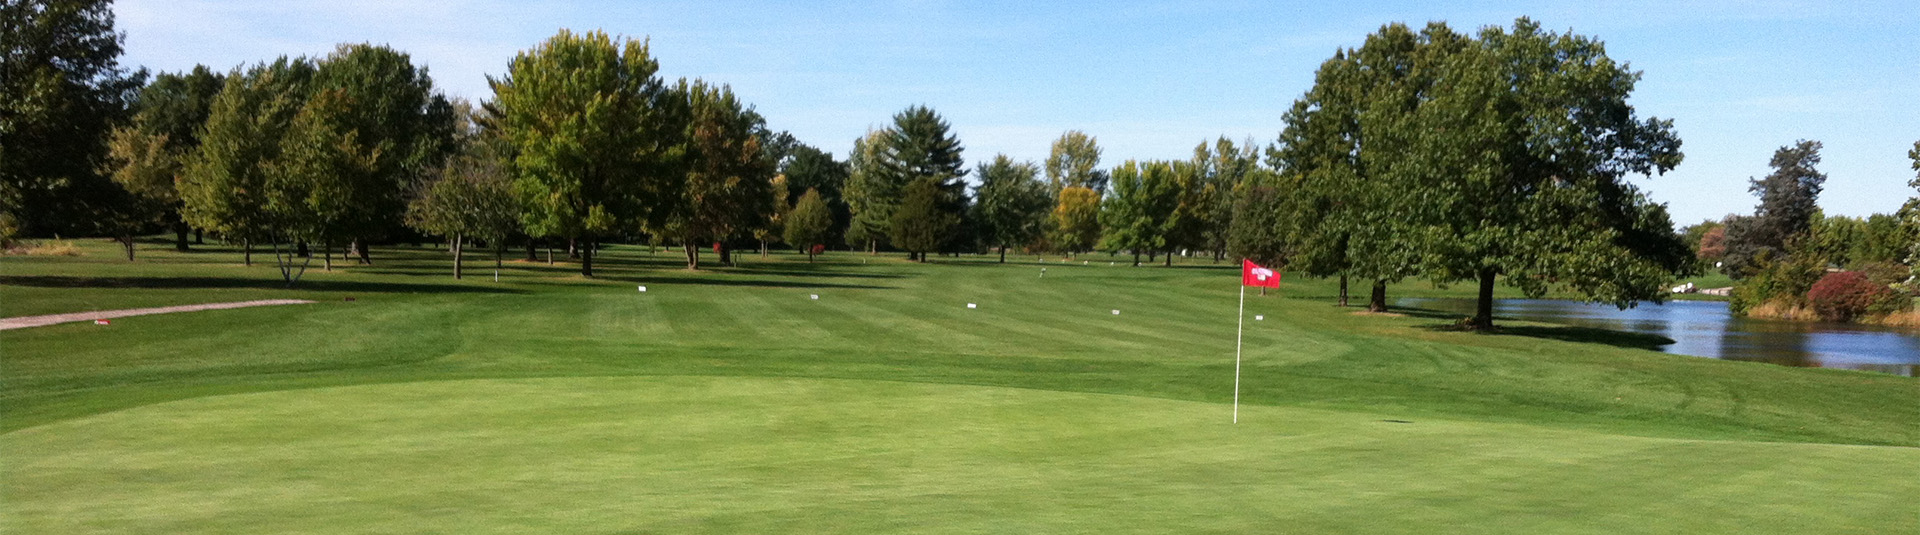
(1236, 353)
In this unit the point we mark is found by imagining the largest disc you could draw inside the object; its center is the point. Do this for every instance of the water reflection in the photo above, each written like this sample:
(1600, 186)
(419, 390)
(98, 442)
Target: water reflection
(1705, 328)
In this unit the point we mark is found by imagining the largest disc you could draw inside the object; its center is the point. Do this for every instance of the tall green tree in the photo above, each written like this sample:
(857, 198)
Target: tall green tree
(1340, 140)
(401, 126)
(471, 196)
(1258, 230)
(1910, 214)
(728, 188)
(922, 223)
(809, 223)
(1518, 170)
(872, 193)
(1789, 200)
(1074, 162)
(1139, 215)
(148, 155)
(1013, 203)
(775, 226)
(1209, 204)
(315, 187)
(62, 91)
(594, 135)
(809, 168)
(1882, 239)
(225, 186)
(920, 146)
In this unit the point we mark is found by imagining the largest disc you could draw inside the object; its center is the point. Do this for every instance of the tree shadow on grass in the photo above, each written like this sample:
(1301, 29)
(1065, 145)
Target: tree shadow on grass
(186, 283)
(694, 280)
(1568, 333)
(788, 271)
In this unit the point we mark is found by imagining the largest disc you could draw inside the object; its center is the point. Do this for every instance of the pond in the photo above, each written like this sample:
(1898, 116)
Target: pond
(1707, 329)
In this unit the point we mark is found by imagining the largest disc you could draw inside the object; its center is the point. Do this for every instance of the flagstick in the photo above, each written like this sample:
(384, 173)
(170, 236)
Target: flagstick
(1236, 353)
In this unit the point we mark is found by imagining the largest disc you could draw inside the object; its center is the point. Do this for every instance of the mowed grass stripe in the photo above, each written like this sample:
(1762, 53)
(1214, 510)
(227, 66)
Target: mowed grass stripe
(730, 454)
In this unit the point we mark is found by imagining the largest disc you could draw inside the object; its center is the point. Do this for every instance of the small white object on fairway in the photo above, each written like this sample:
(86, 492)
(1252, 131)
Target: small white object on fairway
(1259, 318)
(815, 297)
(643, 288)
(1116, 312)
(971, 305)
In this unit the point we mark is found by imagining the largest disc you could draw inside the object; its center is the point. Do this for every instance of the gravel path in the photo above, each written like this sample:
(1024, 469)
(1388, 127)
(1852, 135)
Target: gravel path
(23, 322)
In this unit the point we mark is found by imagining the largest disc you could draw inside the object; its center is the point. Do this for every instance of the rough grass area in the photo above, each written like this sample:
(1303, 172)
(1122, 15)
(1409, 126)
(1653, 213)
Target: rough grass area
(731, 401)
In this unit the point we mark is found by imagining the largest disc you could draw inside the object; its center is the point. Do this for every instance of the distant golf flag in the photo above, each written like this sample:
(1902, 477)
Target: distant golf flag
(1251, 274)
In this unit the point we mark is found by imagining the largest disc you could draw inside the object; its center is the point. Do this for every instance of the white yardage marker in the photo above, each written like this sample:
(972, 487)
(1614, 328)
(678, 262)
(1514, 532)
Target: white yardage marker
(643, 288)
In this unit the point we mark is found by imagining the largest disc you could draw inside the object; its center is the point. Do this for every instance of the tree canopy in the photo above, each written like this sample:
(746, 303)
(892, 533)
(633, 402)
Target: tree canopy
(728, 185)
(809, 222)
(1074, 162)
(595, 137)
(1469, 158)
(62, 92)
(1789, 199)
(1012, 203)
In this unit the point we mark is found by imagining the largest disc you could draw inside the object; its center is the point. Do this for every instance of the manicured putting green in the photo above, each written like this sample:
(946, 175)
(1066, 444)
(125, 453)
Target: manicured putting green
(676, 454)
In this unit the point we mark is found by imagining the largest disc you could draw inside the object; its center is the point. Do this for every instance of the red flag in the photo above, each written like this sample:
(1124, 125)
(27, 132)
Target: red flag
(1252, 274)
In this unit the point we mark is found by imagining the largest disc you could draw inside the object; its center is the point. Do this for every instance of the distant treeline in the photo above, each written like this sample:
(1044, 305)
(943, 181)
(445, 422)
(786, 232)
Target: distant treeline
(1424, 153)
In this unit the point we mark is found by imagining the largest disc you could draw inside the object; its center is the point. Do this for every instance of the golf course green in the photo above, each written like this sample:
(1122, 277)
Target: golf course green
(863, 394)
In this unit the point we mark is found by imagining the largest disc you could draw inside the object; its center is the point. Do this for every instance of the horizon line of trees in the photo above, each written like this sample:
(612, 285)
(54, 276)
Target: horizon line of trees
(1790, 260)
(1426, 153)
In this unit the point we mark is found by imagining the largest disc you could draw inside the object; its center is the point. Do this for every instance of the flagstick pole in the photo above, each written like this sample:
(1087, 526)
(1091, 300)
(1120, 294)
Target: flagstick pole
(1237, 333)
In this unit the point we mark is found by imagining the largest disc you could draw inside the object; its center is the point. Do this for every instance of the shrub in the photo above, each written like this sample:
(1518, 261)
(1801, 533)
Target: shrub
(52, 248)
(1783, 280)
(1847, 295)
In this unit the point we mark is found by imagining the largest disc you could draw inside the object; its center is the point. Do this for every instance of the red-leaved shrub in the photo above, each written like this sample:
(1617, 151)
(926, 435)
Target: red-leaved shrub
(1848, 294)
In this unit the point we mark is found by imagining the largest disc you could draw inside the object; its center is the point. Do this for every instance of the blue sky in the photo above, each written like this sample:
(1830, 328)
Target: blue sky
(1151, 80)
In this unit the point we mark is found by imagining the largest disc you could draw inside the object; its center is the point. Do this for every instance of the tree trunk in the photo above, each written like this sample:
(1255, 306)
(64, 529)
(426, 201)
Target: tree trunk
(1378, 301)
(533, 253)
(1170, 260)
(573, 248)
(1343, 289)
(586, 259)
(246, 247)
(326, 256)
(180, 236)
(809, 255)
(303, 252)
(360, 247)
(726, 254)
(1136, 258)
(693, 255)
(763, 251)
(127, 240)
(199, 237)
(1483, 310)
(1003, 254)
(499, 250)
(458, 242)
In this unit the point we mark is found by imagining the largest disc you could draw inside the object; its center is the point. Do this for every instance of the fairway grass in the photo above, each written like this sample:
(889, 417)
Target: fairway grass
(755, 455)
(732, 400)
